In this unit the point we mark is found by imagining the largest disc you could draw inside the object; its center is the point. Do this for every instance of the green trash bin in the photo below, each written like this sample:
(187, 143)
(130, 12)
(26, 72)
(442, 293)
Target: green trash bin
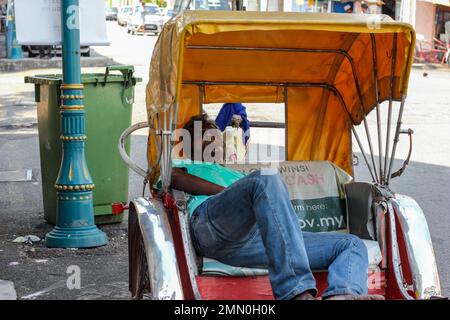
(108, 104)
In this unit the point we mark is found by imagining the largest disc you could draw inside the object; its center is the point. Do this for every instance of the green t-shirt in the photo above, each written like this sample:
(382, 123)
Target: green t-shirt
(210, 171)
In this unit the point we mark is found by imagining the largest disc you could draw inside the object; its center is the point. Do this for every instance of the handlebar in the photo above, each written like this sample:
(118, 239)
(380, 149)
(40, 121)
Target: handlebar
(400, 171)
(132, 165)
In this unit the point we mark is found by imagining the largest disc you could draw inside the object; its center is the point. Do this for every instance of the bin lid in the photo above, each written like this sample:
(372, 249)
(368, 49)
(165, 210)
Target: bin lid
(125, 77)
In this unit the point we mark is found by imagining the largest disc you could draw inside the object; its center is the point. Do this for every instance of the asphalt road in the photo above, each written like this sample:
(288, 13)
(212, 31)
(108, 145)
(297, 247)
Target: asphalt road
(426, 178)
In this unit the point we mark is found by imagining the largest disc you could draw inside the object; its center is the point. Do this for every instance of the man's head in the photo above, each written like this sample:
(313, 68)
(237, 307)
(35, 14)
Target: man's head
(206, 143)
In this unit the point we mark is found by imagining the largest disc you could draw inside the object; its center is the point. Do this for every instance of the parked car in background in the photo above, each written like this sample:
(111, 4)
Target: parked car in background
(123, 14)
(167, 14)
(210, 5)
(145, 20)
(51, 51)
(111, 13)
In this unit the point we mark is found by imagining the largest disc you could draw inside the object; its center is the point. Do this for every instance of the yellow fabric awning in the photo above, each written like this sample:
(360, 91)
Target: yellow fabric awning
(172, 62)
(321, 63)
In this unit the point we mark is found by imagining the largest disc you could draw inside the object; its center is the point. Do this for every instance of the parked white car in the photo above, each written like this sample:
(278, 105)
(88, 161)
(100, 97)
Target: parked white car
(145, 20)
(167, 14)
(123, 14)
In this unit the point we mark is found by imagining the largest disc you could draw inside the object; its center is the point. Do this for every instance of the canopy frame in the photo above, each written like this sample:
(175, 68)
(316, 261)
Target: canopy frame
(286, 85)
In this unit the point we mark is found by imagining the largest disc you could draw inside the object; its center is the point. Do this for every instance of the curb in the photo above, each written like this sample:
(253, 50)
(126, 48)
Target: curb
(8, 65)
(7, 290)
(430, 66)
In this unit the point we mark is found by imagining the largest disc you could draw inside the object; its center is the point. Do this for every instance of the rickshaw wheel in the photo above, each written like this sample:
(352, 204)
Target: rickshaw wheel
(139, 280)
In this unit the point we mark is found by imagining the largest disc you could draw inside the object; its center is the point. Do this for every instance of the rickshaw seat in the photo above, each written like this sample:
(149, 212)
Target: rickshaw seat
(311, 184)
(212, 267)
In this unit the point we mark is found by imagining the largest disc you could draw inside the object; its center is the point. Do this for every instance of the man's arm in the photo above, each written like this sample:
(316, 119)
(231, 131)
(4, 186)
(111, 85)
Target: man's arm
(192, 184)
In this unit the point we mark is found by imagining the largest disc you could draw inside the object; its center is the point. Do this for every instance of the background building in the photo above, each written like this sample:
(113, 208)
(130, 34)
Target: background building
(340, 6)
(431, 16)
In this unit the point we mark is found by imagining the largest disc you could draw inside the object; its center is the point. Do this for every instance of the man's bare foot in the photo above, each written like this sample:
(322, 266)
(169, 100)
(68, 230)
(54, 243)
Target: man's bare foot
(304, 296)
(355, 297)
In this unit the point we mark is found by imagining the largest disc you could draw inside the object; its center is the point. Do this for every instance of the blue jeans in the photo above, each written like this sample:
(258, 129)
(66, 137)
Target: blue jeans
(253, 224)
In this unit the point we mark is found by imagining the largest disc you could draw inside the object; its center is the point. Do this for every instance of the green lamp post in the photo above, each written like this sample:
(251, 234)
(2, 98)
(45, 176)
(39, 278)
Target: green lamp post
(75, 225)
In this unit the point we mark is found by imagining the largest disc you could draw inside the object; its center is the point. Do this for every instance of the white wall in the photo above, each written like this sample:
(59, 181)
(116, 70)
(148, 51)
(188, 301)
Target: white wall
(424, 25)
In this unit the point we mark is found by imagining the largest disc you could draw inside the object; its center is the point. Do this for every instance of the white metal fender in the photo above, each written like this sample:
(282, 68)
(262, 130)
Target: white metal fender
(419, 246)
(163, 269)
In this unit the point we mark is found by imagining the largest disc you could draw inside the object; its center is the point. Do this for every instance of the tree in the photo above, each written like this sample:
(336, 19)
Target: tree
(159, 3)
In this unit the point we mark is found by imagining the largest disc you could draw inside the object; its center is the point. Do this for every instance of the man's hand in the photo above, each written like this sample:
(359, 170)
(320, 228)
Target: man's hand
(192, 184)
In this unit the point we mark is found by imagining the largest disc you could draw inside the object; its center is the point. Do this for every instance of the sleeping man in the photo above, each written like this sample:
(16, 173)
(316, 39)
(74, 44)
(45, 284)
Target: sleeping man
(248, 221)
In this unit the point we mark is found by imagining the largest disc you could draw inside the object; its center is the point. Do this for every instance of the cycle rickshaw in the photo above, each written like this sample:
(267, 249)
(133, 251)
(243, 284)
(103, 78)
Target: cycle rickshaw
(329, 71)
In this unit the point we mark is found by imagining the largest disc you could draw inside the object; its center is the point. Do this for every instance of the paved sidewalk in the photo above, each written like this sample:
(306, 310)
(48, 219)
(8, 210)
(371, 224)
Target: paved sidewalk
(7, 291)
(39, 272)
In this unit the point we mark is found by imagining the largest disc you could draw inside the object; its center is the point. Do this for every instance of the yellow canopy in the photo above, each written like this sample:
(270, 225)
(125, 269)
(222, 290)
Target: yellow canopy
(322, 65)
